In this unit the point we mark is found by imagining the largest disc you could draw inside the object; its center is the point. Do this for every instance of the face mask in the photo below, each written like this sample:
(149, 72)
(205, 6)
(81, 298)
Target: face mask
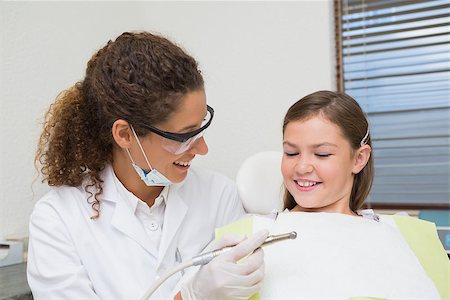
(152, 178)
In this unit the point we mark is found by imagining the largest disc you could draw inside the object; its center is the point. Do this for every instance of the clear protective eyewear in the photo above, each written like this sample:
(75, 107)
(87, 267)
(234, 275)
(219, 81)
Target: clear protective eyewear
(177, 143)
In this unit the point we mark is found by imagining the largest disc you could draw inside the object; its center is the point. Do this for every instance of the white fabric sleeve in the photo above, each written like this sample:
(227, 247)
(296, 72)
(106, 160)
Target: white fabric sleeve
(54, 268)
(231, 206)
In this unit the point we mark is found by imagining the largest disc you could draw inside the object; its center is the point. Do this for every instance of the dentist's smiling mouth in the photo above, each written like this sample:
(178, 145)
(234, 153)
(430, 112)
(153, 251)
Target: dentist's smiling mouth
(183, 164)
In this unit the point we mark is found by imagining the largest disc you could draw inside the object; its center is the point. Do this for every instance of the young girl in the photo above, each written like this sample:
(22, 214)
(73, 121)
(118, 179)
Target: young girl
(341, 251)
(125, 204)
(327, 164)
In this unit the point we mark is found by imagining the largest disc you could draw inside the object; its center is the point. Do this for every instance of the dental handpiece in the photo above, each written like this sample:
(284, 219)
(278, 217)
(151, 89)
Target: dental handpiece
(203, 259)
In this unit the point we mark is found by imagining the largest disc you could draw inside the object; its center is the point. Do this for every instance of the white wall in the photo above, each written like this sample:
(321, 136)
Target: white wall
(257, 58)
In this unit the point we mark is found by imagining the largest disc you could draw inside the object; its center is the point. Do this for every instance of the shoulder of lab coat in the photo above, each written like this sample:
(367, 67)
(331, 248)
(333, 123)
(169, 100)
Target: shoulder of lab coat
(59, 274)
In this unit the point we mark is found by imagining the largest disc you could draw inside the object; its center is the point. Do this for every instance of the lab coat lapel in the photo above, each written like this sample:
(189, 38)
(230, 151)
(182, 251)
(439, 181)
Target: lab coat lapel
(125, 221)
(176, 210)
(123, 218)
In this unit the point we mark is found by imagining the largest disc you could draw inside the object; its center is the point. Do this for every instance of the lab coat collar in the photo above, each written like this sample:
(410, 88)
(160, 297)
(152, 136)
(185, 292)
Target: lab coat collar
(134, 201)
(125, 220)
(109, 190)
(123, 217)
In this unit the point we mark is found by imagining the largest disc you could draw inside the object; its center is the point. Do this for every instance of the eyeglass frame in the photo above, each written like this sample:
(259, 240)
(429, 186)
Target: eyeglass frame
(181, 137)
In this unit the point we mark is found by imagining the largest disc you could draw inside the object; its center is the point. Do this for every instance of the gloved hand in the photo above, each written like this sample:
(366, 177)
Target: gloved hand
(226, 277)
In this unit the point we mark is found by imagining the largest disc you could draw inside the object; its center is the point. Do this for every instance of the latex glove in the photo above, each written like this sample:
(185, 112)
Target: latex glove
(226, 278)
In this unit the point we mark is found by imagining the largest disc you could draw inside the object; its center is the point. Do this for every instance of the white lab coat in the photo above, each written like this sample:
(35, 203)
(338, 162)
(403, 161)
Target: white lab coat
(73, 257)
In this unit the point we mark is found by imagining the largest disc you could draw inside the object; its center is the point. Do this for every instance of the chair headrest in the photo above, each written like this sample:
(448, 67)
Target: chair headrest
(260, 183)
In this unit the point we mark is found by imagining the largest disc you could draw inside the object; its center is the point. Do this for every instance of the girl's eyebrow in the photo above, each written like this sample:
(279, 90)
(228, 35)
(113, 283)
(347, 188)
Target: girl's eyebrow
(314, 146)
(323, 144)
(289, 144)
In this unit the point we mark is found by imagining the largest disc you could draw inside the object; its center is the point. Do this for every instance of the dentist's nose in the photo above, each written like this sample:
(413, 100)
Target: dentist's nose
(200, 147)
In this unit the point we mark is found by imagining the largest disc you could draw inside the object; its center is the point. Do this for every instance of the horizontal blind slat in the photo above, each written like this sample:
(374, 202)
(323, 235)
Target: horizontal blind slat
(368, 13)
(394, 90)
(389, 62)
(405, 102)
(403, 144)
(382, 29)
(442, 65)
(404, 53)
(367, 23)
(392, 37)
(398, 80)
(419, 42)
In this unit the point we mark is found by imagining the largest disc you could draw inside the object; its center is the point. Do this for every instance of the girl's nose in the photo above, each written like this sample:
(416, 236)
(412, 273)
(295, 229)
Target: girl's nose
(303, 167)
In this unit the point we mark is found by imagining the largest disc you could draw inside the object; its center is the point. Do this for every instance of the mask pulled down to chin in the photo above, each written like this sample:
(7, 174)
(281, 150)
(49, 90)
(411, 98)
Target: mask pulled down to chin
(152, 178)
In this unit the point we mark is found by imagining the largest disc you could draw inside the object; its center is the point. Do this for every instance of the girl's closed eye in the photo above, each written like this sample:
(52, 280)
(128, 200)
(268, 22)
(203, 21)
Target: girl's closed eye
(323, 154)
(291, 153)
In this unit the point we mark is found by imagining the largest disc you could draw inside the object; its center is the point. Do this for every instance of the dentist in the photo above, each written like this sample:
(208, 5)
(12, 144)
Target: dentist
(125, 205)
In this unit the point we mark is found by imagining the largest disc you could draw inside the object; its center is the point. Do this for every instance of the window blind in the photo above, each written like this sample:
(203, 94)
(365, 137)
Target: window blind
(394, 59)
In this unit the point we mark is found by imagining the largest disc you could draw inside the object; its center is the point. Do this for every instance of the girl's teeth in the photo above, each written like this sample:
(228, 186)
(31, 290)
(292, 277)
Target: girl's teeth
(306, 184)
(183, 163)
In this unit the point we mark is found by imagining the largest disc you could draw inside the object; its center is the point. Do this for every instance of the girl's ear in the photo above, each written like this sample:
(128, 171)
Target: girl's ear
(361, 158)
(121, 133)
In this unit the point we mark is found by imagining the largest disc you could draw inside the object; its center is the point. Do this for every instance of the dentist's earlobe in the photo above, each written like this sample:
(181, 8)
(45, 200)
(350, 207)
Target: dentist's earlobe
(121, 133)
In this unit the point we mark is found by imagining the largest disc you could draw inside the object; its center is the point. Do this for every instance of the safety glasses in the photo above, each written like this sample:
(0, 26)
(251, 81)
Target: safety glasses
(178, 143)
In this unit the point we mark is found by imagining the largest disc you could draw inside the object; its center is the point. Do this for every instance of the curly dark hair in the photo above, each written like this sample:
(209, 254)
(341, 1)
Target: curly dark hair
(140, 77)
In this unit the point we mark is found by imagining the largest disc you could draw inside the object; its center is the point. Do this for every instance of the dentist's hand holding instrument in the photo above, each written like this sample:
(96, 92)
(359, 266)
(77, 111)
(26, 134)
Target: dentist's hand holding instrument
(228, 276)
(224, 277)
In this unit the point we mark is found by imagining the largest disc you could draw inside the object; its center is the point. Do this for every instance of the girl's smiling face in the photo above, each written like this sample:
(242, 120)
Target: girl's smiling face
(318, 165)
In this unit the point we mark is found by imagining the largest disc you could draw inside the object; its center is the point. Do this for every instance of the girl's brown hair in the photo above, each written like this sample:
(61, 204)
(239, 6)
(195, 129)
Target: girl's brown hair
(140, 77)
(346, 113)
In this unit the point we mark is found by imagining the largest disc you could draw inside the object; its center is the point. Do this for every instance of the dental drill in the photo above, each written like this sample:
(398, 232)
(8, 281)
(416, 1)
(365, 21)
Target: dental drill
(205, 258)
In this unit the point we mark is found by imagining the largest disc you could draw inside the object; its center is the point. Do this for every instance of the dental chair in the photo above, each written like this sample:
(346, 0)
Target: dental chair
(260, 183)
